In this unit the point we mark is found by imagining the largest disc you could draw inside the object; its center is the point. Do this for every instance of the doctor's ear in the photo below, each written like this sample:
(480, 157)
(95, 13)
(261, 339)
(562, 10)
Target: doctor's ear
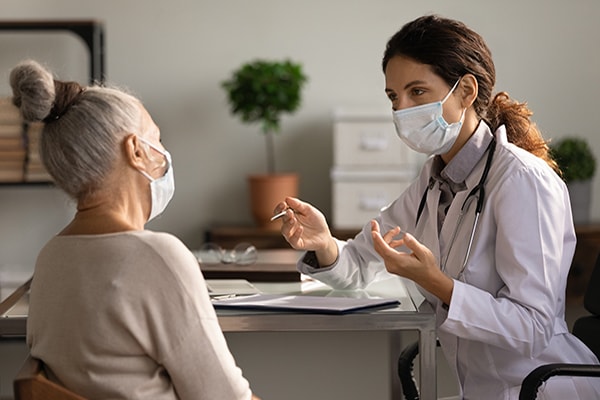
(468, 90)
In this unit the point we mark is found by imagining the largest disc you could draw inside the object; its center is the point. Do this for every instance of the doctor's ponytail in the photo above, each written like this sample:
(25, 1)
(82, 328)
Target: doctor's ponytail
(520, 129)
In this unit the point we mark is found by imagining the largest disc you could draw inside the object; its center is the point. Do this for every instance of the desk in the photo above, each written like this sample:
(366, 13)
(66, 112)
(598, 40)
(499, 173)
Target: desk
(406, 316)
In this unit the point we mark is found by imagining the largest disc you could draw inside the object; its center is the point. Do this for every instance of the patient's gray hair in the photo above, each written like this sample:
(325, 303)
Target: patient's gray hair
(83, 125)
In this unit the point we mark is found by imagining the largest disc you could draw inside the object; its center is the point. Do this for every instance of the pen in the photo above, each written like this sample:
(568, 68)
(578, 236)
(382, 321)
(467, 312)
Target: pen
(224, 296)
(280, 214)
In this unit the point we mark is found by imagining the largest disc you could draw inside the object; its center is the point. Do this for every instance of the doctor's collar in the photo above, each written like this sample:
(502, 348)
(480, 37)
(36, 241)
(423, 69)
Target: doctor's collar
(464, 162)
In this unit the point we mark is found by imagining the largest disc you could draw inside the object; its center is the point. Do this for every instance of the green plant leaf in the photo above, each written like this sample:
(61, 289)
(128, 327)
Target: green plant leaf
(575, 158)
(261, 91)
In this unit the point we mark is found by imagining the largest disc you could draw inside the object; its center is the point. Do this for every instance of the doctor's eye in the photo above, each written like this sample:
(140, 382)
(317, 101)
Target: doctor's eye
(417, 92)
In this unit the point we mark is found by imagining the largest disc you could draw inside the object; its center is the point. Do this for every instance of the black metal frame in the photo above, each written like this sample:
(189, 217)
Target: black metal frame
(90, 31)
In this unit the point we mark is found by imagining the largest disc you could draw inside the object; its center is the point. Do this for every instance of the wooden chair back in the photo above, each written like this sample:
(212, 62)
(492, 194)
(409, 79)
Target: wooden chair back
(31, 383)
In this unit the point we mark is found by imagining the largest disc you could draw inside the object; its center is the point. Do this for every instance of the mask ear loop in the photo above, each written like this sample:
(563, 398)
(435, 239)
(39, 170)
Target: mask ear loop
(164, 153)
(147, 175)
(462, 116)
(451, 90)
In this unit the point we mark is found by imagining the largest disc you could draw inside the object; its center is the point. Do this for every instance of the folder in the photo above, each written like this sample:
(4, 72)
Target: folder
(301, 303)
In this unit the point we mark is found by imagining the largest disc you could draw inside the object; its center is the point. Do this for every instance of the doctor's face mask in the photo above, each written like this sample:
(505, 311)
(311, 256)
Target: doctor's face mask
(424, 129)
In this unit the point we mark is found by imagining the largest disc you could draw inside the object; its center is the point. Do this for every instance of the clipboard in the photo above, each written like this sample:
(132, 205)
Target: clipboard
(298, 303)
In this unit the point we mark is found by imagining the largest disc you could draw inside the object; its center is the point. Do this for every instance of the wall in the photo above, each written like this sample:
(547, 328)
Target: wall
(174, 55)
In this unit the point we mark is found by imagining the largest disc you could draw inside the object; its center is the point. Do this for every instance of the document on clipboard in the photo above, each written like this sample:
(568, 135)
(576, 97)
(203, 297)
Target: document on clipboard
(302, 303)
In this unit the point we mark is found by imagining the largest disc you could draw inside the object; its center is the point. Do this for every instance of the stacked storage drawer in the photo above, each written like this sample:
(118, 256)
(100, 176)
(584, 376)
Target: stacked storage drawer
(371, 166)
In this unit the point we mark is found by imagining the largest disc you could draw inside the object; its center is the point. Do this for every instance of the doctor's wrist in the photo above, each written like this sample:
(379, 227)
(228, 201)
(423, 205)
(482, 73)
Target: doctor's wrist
(328, 255)
(441, 286)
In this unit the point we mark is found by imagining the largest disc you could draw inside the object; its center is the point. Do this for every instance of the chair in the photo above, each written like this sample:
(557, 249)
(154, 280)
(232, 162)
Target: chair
(31, 383)
(405, 371)
(587, 329)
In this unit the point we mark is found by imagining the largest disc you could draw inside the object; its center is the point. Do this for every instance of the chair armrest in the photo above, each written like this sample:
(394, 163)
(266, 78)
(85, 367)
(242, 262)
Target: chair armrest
(538, 376)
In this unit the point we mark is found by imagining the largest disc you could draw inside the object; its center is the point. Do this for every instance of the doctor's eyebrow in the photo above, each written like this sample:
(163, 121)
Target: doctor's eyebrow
(414, 83)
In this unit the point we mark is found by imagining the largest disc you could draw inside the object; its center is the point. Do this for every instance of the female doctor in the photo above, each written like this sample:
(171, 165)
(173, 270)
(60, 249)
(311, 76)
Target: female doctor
(485, 231)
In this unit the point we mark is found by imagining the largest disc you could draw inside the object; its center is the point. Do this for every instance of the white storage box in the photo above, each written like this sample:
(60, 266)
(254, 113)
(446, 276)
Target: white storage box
(358, 195)
(371, 165)
(368, 139)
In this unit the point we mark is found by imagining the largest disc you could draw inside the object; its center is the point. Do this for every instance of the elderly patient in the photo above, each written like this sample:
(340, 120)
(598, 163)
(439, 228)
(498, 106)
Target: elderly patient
(117, 311)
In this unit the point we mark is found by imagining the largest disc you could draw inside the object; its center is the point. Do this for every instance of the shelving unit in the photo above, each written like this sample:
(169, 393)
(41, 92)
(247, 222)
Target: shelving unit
(91, 32)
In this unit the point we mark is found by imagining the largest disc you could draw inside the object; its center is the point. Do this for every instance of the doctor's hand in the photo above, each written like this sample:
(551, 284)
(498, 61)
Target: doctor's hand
(420, 265)
(305, 228)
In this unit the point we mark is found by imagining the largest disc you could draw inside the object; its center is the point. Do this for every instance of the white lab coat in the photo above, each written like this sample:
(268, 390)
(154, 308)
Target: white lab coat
(506, 315)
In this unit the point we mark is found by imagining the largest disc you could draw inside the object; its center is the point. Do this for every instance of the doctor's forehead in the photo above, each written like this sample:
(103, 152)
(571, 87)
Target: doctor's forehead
(402, 72)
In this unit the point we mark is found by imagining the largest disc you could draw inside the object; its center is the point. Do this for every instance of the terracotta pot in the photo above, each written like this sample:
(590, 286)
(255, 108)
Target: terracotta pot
(265, 192)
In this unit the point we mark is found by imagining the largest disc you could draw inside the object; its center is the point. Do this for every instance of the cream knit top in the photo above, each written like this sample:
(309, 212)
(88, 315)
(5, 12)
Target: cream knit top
(128, 316)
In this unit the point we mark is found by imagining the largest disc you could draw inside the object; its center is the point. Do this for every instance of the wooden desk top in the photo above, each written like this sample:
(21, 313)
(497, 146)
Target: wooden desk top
(228, 236)
(278, 265)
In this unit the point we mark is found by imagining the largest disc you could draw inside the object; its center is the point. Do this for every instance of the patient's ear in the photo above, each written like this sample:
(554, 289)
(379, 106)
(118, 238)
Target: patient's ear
(134, 154)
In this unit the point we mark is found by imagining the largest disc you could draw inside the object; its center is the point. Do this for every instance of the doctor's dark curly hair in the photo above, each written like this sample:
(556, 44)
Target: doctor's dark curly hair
(453, 50)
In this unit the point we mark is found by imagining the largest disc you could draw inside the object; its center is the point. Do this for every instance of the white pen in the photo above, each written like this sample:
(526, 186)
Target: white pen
(224, 296)
(280, 214)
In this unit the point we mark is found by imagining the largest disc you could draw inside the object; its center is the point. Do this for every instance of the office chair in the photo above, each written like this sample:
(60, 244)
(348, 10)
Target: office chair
(587, 329)
(31, 383)
(405, 371)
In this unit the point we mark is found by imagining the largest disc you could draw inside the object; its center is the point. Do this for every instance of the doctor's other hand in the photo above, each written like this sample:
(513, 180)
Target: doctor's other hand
(305, 228)
(420, 265)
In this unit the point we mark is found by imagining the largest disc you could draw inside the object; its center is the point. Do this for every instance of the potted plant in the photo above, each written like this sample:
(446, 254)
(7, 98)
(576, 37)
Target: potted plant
(578, 166)
(261, 91)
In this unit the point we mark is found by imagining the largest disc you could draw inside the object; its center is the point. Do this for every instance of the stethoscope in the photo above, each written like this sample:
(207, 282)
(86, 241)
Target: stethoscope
(477, 192)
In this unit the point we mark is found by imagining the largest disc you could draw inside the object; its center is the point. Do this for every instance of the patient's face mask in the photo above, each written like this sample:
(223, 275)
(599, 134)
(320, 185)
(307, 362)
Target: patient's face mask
(163, 188)
(424, 129)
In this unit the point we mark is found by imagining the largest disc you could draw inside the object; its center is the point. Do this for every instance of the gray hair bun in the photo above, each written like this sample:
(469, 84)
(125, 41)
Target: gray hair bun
(39, 96)
(33, 90)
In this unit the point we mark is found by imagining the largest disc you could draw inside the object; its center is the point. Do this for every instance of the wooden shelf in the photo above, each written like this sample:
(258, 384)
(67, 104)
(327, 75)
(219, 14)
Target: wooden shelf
(584, 260)
(276, 265)
(27, 184)
(228, 236)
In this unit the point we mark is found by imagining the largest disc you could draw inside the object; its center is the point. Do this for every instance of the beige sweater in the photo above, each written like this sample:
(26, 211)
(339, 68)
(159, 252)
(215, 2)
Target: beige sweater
(127, 316)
